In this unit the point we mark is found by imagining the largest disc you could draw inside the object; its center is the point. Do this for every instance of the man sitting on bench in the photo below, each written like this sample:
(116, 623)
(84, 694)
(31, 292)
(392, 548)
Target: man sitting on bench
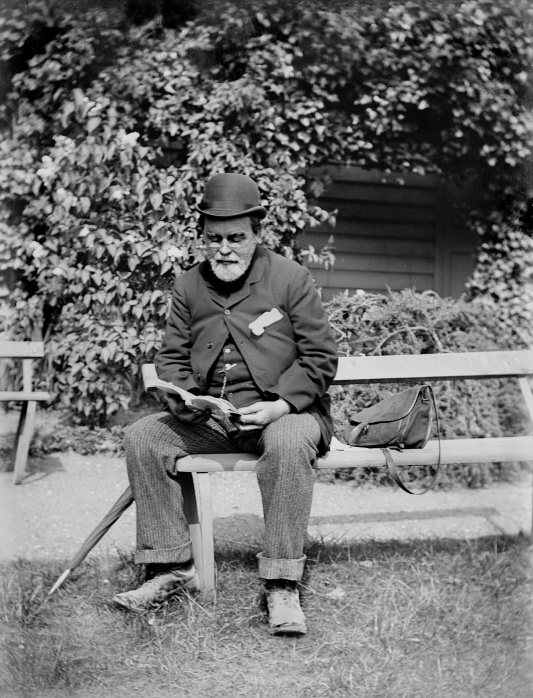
(247, 325)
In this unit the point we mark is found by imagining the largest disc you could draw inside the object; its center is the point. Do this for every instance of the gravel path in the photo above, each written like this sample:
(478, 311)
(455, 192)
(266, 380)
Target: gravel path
(54, 509)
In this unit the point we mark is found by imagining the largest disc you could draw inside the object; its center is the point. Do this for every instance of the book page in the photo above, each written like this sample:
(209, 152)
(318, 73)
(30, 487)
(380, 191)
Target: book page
(214, 403)
(198, 401)
(167, 387)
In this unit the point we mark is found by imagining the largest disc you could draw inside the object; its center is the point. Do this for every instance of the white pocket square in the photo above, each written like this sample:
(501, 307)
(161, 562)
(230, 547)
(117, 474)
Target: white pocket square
(264, 320)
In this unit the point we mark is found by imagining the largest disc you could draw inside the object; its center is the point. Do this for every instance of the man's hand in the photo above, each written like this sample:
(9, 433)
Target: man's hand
(184, 413)
(260, 414)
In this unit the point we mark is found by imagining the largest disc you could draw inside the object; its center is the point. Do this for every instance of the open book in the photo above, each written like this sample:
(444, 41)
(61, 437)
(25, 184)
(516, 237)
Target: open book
(215, 404)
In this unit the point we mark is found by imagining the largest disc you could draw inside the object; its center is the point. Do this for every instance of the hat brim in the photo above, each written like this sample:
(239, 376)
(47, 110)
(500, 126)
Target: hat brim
(216, 212)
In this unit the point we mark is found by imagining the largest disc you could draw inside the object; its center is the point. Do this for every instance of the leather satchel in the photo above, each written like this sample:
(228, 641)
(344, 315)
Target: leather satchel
(401, 421)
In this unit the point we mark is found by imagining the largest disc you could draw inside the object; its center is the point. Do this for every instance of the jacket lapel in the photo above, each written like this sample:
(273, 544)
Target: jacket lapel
(256, 274)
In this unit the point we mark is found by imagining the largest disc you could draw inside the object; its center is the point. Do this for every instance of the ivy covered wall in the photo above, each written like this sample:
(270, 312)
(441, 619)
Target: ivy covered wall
(109, 132)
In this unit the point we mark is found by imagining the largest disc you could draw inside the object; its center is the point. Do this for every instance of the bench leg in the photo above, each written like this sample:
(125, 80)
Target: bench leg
(23, 439)
(197, 498)
(525, 387)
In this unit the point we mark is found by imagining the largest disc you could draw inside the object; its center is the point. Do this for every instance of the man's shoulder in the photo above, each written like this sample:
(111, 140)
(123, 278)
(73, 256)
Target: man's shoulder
(283, 264)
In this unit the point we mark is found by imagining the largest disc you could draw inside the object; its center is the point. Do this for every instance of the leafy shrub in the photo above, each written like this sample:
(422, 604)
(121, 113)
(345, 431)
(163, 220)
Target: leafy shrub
(62, 437)
(503, 279)
(109, 135)
(407, 322)
(82, 439)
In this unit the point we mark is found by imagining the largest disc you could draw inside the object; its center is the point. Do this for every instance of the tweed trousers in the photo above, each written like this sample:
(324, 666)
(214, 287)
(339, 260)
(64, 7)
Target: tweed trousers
(287, 448)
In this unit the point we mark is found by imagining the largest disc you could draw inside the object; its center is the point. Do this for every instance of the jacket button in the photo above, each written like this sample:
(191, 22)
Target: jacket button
(227, 312)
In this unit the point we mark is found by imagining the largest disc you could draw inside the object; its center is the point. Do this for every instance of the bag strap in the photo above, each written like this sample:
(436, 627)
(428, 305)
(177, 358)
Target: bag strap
(392, 467)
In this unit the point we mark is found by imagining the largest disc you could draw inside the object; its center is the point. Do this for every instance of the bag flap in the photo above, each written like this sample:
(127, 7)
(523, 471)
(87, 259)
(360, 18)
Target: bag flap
(390, 409)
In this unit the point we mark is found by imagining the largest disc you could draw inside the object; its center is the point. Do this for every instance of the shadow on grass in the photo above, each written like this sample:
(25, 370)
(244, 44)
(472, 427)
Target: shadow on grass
(329, 552)
(432, 619)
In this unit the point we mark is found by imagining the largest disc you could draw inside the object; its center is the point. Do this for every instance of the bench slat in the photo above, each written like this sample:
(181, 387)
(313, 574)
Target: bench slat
(496, 450)
(429, 367)
(21, 350)
(27, 371)
(23, 396)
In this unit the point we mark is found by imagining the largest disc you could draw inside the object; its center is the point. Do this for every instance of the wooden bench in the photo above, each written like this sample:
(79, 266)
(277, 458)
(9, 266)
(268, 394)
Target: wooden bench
(26, 352)
(364, 370)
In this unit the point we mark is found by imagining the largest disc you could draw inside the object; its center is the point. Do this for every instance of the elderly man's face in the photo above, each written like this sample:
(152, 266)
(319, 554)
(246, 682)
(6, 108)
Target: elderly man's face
(230, 246)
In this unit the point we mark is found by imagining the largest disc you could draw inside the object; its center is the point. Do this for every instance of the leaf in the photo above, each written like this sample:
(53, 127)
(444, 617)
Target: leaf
(93, 123)
(155, 295)
(156, 200)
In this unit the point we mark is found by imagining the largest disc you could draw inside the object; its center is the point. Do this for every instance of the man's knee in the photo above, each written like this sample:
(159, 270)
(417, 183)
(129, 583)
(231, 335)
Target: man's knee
(142, 433)
(292, 439)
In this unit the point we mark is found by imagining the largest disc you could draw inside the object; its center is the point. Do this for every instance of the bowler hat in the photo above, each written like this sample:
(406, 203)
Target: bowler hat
(230, 195)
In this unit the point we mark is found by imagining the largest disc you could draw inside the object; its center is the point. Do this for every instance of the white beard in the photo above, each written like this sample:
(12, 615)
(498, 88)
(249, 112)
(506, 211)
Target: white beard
(229, 272)
(233, 271)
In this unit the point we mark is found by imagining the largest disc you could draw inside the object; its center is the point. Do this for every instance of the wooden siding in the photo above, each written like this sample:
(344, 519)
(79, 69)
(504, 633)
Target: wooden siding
(393, 231)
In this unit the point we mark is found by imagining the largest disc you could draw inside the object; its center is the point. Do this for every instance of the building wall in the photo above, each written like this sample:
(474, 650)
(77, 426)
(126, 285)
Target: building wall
(394, 231)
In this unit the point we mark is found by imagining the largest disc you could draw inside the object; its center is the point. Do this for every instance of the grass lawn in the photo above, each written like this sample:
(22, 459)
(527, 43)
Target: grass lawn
(447, 620)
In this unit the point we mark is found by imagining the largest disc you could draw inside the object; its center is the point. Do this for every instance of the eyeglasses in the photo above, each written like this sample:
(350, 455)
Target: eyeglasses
(235, 240)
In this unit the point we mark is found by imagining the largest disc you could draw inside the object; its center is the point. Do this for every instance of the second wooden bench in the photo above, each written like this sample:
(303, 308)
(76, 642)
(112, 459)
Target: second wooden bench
(26, 352)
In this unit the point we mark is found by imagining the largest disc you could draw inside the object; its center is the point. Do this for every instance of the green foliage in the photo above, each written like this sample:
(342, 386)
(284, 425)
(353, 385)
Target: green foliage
(109, 136)
(503, 279)
(423, 323)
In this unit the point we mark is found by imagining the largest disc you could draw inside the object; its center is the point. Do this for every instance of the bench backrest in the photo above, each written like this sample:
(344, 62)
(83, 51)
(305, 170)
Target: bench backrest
(424, 367)
(26, 351)
(21, 350)
(432, 367)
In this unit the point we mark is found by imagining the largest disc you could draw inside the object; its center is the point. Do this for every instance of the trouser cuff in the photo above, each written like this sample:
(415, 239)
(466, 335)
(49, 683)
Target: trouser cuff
(182, 553)
(270, 568)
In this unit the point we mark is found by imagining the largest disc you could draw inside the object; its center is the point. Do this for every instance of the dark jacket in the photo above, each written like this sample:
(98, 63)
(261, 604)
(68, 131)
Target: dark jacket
(295, 358)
